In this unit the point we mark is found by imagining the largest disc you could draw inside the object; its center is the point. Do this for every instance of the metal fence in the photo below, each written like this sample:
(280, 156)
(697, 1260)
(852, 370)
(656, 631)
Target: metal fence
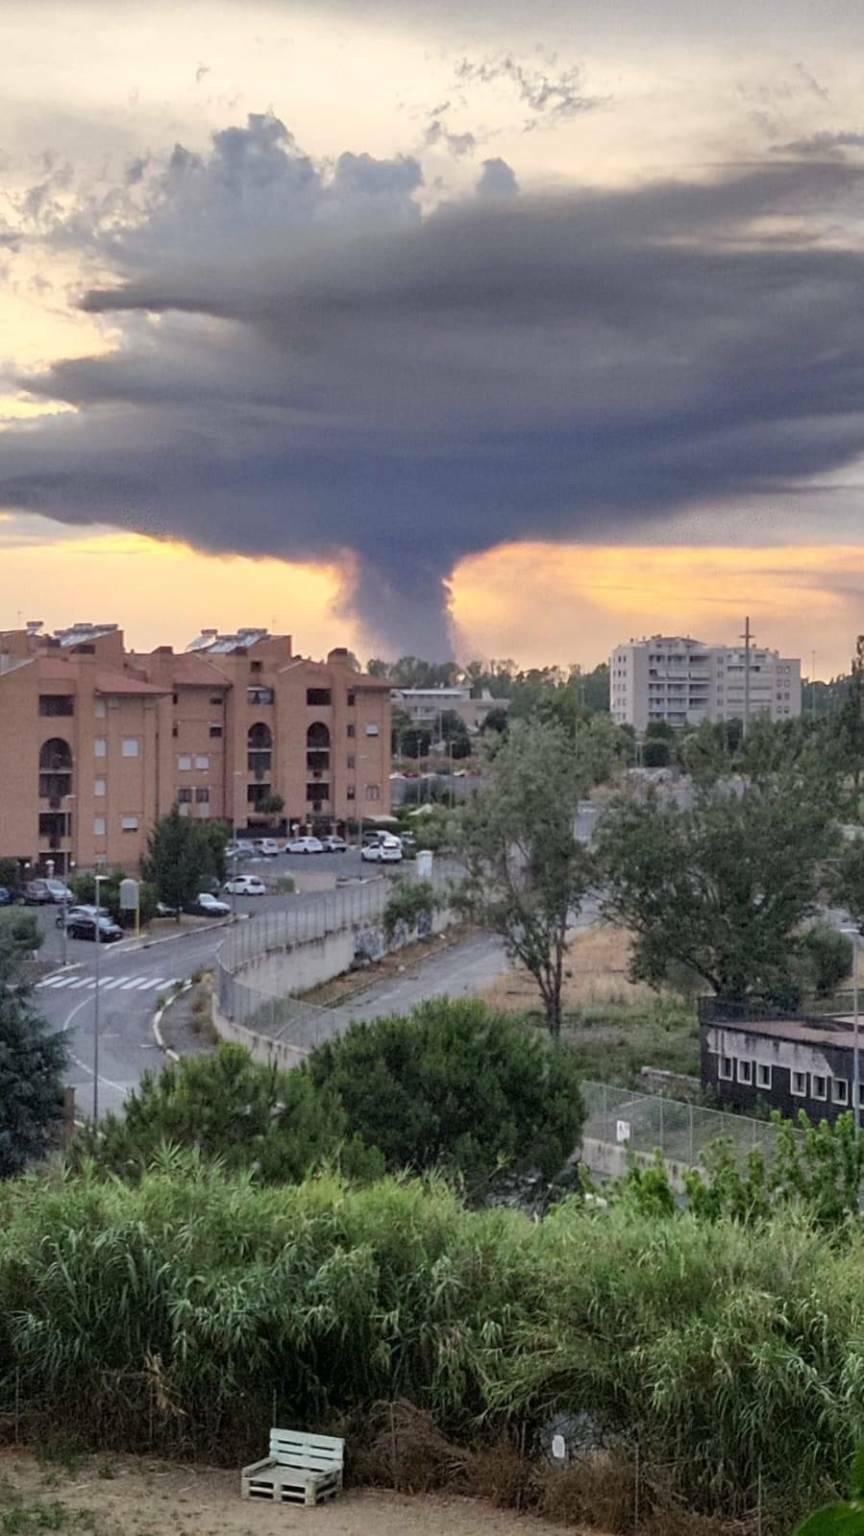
(646, 1123)
(316, 916)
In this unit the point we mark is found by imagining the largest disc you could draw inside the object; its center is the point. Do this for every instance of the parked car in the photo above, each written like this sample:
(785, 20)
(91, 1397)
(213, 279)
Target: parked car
(408, 840)
(388, 851)
(163, 910)
(206, 905)
(39, 893)
(70, 913)
(245, 885)
(305, 845)
(88, 926)
(7, 897)
(241, 848)
(267, 847)
(372, 839)
(334, 845)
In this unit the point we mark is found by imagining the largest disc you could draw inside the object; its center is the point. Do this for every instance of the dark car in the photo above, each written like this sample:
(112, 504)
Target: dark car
(83, 926)
(6, 897)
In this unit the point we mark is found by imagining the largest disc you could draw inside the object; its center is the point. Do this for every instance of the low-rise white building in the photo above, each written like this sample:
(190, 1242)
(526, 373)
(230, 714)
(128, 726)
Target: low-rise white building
(683, 682)
(425, 706)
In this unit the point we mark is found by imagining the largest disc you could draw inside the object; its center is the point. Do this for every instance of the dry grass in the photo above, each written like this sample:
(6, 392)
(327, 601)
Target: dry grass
(598, 961)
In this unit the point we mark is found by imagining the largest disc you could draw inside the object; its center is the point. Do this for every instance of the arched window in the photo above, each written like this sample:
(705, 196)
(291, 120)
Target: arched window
(318, 748)
(55, 769)
(259, 747)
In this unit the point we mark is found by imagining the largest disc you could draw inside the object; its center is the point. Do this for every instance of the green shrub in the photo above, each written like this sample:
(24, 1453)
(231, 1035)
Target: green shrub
(828, 957)
(455, 1086)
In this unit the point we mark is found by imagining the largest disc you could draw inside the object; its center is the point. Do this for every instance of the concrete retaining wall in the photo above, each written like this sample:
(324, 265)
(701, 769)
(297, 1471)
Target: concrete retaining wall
(266, 1052)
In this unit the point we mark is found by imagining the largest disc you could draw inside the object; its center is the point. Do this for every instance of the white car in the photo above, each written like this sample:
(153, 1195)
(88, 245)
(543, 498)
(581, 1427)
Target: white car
(387, 851)
(245, 885)
(334, 845)
(242, 849)
(305, 845)
(267, 847)
(206, 905)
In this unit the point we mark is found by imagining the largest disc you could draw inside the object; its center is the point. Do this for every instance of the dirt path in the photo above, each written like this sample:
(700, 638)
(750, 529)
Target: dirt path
(142, 1498)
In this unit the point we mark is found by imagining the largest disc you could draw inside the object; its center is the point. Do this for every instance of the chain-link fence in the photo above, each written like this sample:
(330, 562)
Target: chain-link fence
(646, 1123)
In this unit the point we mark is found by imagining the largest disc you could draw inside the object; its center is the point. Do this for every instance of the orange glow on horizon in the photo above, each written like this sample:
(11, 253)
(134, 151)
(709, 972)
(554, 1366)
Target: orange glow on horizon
(538, 603)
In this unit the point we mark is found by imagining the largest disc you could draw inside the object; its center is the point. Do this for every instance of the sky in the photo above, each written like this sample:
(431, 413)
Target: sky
(497, 331)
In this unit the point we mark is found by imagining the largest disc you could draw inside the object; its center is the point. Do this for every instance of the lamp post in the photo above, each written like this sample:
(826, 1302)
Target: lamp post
(855, 935)
(98, 935)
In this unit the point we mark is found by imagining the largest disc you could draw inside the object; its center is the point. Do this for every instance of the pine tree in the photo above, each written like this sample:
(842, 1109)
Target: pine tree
(31, 1059)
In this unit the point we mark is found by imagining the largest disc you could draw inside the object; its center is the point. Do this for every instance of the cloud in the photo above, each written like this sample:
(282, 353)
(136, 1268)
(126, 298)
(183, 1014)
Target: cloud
(458, 144)
(826, 144)
(552, 92)
(497, 179)
(308, 368)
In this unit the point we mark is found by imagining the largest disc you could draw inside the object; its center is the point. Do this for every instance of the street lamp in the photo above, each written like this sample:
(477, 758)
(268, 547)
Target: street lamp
(855, 935)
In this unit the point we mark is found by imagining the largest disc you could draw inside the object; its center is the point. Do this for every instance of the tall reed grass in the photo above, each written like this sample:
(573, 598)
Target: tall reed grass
(186, 1312)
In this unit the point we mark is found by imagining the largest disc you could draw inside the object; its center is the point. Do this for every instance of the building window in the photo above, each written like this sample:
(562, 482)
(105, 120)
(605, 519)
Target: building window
(184, 764)
(318, 697)
(215, 732)
(256, 792)
(202, 795)
(818, 1086)
(184, 797)
(256, 666)
(98, 826)
(216, 698)
(745, 1072)
(54, 825)
(130, 746)
(798, 1084)
(352, 698)
(100, 747)
(56, 704)
(839, 1090)
(100, 787)
(259, 749)
(99, 709)
(351, 732)
(351, 792)
(372, 730)
(763, 1075)
(174, 698)
(203, 763)
(351, 761)
(259, 695)
(317, 792)
(129, 824)
(373, 792)
(727, 1069)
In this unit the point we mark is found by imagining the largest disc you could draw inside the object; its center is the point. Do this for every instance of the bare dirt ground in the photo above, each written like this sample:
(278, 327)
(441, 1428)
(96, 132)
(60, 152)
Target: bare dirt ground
(137, 1497)
(597, 965)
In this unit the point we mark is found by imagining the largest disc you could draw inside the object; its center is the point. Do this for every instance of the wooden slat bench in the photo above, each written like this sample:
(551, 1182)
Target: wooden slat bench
(300, 1469)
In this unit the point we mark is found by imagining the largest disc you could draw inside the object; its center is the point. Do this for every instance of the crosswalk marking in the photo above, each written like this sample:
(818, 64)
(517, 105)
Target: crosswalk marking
(107, 983)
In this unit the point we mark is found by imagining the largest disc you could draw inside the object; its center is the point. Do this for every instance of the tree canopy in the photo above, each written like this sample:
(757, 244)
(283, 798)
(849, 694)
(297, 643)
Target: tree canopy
(183, 855)
(721, 890)
(526, 873)
(31, 1059)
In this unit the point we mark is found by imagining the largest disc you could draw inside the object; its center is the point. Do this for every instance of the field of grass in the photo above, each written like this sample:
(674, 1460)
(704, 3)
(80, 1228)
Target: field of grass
(616, 1026)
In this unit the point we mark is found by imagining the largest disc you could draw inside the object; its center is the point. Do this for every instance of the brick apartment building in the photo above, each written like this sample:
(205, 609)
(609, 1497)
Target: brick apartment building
(97, 742)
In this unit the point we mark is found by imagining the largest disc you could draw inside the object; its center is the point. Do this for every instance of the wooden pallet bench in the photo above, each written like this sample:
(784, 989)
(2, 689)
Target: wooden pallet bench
(300, 1469)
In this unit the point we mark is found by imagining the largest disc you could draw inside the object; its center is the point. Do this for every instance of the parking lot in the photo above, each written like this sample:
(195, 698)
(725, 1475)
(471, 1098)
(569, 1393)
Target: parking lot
(306, 869)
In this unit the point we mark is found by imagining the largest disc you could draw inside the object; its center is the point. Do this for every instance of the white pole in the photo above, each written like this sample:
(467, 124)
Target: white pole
(99, 879)
(855, 1068)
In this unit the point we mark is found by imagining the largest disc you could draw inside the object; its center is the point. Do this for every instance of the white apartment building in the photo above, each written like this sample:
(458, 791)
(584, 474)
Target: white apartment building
(683, 682)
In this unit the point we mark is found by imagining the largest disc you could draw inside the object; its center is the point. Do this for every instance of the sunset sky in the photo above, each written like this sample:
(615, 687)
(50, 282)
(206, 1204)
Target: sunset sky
(512, 330)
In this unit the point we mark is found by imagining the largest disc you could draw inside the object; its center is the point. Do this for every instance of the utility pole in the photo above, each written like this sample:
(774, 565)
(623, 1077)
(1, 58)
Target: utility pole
(747, 637)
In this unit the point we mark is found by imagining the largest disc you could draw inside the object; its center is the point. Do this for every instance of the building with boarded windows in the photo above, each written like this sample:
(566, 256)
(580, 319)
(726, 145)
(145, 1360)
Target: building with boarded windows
(97, 742)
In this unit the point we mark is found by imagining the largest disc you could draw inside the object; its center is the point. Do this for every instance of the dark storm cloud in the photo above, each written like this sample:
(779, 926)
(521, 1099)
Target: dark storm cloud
(824, 144)
(330, 375)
